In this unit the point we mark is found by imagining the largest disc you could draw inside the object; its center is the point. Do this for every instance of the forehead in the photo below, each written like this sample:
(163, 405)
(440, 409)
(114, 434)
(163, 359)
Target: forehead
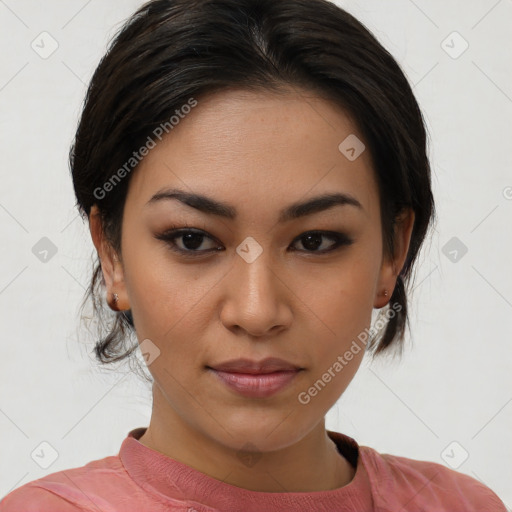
(255, 149)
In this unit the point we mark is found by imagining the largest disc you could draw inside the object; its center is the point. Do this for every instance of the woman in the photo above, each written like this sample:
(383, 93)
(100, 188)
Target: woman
(256, 182)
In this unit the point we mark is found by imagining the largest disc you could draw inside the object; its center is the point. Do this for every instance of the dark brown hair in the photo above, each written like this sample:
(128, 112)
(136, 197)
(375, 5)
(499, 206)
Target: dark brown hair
(172, 50)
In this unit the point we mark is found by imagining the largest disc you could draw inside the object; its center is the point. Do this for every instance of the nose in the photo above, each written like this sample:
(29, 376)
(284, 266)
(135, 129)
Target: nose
(257, 300)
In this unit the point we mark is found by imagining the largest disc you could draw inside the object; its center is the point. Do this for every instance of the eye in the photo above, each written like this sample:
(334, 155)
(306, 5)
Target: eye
(188, 241)
(312, 241)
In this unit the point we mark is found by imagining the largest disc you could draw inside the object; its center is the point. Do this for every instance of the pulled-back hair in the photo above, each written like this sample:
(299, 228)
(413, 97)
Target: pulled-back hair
(170, 51)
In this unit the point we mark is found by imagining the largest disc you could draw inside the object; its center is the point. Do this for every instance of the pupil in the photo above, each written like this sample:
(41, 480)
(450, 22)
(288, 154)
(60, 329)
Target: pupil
(316, 241)
(190, 236)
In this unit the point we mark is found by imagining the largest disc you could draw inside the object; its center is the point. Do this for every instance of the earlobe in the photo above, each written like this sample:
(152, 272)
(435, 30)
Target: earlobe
(383, 297)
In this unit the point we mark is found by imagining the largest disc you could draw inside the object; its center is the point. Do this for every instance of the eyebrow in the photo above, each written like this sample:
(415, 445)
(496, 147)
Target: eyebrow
(294, 211)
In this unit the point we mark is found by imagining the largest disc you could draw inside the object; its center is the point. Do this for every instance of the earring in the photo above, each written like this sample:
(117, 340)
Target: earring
(116, 298)
(385, 293)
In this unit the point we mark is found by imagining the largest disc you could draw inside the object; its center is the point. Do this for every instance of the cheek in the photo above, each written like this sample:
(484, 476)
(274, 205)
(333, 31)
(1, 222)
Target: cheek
(341, 298)
(164, 295)
(343, 311)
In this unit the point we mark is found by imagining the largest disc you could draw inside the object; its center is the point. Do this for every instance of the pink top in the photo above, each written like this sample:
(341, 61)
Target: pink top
(141, 479)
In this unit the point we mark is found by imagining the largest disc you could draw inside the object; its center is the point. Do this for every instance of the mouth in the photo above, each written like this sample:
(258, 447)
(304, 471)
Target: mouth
(249, 366)
(256, 379)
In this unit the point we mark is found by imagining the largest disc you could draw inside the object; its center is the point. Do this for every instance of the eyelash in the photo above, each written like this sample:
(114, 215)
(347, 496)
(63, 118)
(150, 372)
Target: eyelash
(340, 240)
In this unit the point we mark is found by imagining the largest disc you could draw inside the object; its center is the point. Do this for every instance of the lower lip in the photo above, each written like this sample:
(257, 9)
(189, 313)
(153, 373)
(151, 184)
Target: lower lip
(256, 386)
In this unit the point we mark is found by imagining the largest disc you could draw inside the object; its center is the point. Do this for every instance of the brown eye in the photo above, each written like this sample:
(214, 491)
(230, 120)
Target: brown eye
(192, 241)
(187, 241)
(313, 240)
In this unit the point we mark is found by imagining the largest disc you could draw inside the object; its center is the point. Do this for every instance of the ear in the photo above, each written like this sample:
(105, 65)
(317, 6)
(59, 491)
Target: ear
(391, 266)
(111, 265)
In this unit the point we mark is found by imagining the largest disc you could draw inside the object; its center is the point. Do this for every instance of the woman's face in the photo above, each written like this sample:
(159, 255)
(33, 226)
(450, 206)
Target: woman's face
(270, 291)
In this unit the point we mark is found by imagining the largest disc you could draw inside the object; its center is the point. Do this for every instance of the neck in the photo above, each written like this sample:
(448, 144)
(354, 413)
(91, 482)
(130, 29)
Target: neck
(312, 464)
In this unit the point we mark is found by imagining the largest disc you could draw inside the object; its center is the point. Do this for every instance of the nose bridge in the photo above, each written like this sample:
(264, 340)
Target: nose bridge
(254, 271)
(254, 301)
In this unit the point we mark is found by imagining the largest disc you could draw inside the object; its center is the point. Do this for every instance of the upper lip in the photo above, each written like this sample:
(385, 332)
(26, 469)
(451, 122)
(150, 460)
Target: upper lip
(268, 365)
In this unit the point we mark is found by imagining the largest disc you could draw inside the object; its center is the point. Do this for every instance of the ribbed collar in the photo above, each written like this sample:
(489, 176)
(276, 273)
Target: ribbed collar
(173, 481)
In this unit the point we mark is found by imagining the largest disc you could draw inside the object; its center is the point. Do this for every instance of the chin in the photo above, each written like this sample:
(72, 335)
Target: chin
(261, 431)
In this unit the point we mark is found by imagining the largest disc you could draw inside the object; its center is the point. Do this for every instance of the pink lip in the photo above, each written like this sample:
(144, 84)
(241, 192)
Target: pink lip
(256, 385)
(258, 379)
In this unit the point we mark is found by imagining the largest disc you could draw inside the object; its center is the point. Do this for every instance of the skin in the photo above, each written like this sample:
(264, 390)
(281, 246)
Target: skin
(259, 152)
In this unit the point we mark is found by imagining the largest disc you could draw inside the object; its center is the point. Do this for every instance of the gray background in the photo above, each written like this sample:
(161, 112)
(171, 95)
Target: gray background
(453, 383)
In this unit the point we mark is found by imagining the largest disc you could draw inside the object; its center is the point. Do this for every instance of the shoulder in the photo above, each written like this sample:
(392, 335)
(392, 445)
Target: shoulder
(423, 485)
(33, 498)
(82, 488)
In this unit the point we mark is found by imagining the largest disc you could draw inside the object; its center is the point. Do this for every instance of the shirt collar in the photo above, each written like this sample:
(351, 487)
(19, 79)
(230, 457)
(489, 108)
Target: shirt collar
(175, 481)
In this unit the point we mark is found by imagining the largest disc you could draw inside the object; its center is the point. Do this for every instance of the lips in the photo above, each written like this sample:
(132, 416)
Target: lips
(248, 366)
(255, 379)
